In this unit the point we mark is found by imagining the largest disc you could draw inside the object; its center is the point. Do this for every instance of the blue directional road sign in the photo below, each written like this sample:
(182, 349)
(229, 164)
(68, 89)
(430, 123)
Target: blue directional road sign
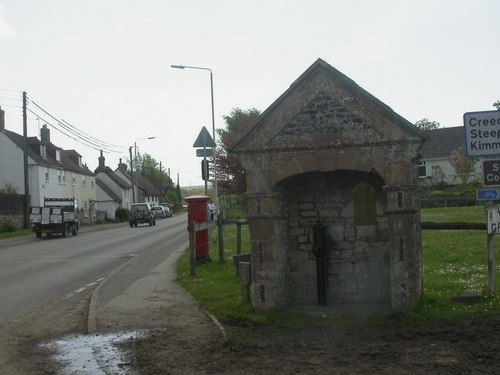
(488, 194)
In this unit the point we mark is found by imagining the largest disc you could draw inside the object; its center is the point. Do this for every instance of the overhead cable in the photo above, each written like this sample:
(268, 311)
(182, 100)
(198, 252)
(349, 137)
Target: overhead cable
(78, 133)
(64, 131)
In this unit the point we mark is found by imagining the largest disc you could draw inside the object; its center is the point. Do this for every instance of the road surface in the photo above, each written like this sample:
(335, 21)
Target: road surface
(37, 272)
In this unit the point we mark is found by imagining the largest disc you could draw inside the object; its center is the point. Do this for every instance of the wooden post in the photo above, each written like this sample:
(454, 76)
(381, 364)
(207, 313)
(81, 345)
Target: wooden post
(238, 237)
(220, 234)
(491, 265)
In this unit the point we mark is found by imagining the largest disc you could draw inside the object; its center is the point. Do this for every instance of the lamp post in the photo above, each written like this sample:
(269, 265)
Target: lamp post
(216, 198)
(135, 161)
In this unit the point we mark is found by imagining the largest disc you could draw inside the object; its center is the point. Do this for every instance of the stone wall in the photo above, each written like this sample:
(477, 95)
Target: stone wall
(11, 210)
(358, 267)
(327, 150)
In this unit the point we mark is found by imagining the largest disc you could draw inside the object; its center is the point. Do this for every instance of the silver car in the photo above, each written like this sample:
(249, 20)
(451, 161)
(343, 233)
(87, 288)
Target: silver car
(159, 212)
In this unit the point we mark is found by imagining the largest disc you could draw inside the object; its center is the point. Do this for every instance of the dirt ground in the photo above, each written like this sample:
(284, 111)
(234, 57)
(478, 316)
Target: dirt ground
(182, 339)
(466, 347)
(195, 345)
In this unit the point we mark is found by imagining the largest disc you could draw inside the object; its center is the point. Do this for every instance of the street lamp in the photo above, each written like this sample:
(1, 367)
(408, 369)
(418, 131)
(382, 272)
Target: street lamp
(132, 164)
(216, 198)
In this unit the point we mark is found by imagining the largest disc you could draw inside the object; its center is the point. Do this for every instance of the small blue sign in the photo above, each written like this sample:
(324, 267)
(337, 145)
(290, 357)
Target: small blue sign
(488, 194)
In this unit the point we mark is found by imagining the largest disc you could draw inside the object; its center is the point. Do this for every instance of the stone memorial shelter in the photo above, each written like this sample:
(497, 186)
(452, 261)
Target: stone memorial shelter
(332, 199)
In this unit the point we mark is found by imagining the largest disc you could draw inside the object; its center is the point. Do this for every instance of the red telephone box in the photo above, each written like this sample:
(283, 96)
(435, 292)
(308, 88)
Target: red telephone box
(198, 214)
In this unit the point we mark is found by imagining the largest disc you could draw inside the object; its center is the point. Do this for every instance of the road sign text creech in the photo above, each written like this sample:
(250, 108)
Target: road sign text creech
(482, 133)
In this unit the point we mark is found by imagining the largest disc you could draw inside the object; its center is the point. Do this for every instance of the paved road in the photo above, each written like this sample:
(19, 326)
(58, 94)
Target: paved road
(35, 272)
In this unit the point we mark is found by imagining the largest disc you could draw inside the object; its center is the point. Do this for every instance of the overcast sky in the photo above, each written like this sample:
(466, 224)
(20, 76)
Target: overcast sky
(104, 65)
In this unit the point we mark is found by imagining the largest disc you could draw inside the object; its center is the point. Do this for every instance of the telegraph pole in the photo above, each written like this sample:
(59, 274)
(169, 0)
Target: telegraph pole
(25, 163)
(132, 174)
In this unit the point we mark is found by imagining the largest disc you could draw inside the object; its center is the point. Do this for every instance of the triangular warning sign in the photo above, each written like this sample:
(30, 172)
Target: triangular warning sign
(204, 139)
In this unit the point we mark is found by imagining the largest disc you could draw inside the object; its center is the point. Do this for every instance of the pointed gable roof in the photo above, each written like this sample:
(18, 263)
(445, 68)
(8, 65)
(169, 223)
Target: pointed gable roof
(67, 157)
(108, 191)
(323, 108)
(442, 141)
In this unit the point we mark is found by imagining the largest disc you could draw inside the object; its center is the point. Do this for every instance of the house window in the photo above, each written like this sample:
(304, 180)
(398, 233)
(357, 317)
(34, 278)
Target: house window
(92, 183)
(58, 155)
(64, 177)
(73, 179)
(43, 151)
(47, 176)
(59, 177)
(84, 183)
(422, 170)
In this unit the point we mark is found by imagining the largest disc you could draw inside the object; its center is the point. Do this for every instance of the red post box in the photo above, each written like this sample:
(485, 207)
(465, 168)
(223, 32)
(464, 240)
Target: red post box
(198, 215)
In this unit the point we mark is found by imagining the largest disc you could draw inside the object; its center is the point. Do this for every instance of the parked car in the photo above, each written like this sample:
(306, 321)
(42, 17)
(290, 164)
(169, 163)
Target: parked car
(160, 211)
(141, 213)
(167, 208)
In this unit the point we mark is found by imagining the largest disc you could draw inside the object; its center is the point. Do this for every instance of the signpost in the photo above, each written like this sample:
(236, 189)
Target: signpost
(204, 140)
(491, 172)
(482, 139)
(204, 152)
(493, 227)
(482, 133)
(488, 194)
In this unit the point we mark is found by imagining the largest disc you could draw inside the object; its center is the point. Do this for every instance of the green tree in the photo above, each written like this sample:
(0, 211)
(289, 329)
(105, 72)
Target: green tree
(426, 124)
(149, 166)
(230, 173)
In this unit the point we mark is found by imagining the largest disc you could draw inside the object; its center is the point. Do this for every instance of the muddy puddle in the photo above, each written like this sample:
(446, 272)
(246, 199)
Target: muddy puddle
(98, 354)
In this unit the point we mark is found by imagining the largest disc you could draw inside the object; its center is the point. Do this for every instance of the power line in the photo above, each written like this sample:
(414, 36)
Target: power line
(69, 135)
(68, 129)
(11, 91)
(75, 132)
(63, 124)
(97, 140)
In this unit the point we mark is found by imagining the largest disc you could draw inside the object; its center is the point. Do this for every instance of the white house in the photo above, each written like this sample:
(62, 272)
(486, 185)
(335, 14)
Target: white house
(435, 167)
(145, 190)
(113, 192)
(52, 171)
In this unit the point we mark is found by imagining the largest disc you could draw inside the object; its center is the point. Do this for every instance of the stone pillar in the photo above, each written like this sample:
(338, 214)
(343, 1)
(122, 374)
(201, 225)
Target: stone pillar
(406, 257)
(268, 238)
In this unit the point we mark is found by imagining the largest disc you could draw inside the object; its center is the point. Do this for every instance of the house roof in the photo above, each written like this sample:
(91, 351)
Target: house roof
(113, 176)
(145, 184)
(108, 191)
(384, 109)
(442, 141)
(67, 157)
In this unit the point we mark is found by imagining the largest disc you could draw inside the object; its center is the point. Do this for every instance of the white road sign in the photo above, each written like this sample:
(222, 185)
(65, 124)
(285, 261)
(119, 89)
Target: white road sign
(482, 133)
(493, 220)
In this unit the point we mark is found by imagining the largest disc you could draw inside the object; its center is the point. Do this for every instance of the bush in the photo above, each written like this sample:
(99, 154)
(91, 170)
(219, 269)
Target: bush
(121, 214)
(7, 226)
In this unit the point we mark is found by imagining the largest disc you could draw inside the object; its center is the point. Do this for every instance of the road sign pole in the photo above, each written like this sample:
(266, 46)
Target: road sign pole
(491, 265)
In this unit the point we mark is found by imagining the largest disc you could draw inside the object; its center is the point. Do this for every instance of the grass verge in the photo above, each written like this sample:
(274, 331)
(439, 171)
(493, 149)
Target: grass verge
(455, 262)
(16, 233)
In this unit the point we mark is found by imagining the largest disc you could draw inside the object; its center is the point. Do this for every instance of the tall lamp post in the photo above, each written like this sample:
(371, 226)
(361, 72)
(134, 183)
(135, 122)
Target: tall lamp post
(216, 198)
(132, 164)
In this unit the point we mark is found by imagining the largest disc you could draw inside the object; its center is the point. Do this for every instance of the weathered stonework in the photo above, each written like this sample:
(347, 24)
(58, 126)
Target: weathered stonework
(327, 151)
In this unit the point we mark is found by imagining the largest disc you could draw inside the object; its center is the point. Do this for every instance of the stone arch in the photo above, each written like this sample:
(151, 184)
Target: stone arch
(351, 205)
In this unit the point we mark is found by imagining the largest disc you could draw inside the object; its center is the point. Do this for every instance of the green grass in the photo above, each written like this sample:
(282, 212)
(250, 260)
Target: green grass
(16, 233)
(455, 262)
(469, 214)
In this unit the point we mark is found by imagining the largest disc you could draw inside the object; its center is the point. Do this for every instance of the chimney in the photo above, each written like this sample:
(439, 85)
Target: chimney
(122, 166)
(2, 119)
(45, 134)
(101, 161)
